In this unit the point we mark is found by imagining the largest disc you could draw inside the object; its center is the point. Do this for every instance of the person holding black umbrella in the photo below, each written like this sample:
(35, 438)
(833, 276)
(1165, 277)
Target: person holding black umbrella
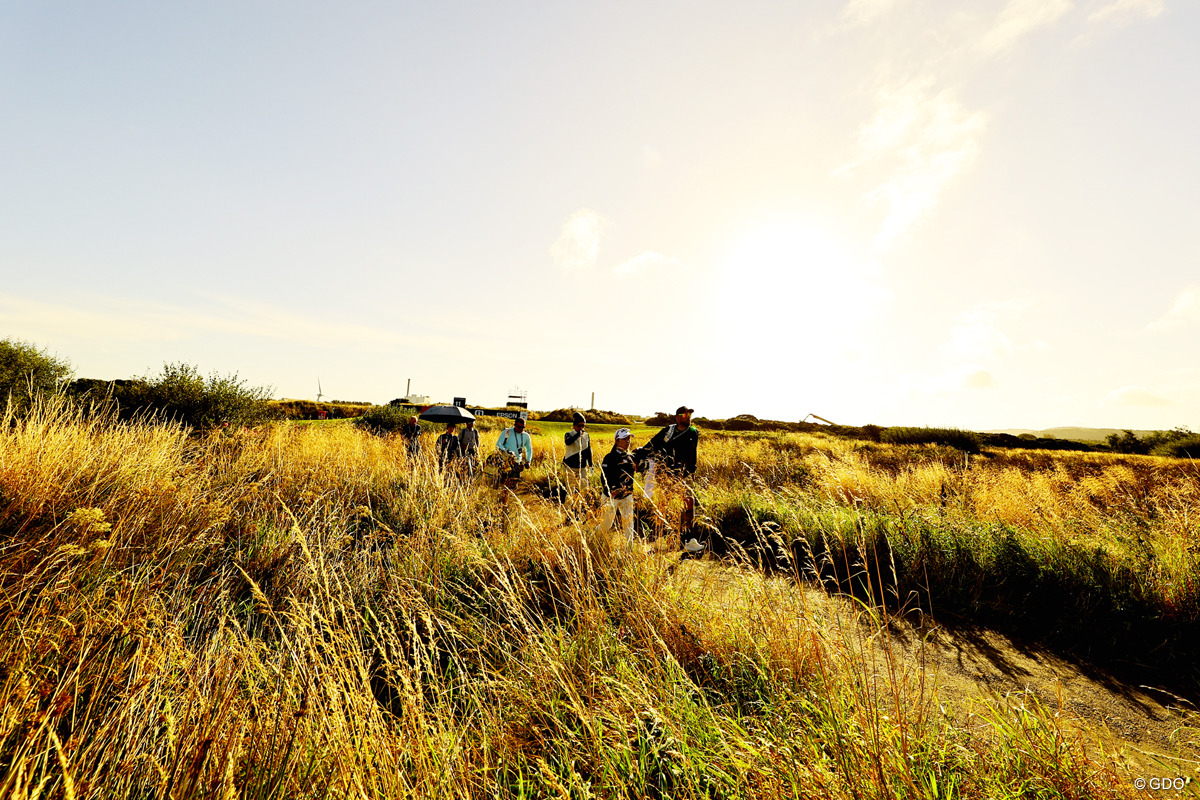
(468, 443)
(448, 448)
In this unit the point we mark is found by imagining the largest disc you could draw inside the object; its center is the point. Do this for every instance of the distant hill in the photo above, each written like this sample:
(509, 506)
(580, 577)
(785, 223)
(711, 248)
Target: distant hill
(1073, 434)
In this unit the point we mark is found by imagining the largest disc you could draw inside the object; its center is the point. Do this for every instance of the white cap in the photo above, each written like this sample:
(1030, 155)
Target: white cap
(623, 433)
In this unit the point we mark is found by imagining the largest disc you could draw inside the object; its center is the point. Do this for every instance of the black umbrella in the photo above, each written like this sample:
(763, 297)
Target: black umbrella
(447, 414)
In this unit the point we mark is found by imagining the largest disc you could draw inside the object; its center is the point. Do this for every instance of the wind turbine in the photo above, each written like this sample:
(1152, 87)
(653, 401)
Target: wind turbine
(319, 395)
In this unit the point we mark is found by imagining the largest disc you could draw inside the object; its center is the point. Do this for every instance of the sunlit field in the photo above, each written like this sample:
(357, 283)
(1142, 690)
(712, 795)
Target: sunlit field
(308, 611)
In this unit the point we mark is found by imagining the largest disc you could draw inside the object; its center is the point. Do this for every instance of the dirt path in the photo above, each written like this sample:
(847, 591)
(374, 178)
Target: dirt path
(1146, 729)
(1151, 732)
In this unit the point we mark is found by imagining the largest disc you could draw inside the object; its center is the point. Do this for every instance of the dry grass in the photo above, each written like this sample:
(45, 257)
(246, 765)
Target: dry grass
(305, 611)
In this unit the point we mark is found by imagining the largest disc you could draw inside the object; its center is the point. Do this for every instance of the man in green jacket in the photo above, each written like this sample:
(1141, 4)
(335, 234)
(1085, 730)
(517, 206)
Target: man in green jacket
(674, 448)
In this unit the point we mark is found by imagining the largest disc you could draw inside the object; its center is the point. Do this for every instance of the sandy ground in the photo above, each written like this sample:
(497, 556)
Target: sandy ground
(1150, 732)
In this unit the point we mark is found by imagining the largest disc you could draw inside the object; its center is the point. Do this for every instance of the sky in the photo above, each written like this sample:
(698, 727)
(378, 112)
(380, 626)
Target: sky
(972, 213)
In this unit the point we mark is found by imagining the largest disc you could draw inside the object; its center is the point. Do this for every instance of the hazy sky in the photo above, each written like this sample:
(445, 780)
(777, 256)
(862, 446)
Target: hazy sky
(923, 212)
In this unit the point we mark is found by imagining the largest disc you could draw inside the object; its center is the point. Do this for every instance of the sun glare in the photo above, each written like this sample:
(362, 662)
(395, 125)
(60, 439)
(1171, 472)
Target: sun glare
(796, 277)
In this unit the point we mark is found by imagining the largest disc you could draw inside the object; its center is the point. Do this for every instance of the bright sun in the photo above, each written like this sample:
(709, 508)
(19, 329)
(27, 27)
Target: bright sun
(794, 259)
(794, 278)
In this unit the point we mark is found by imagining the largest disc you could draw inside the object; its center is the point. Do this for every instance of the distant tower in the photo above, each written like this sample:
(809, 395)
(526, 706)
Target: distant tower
(517, 398)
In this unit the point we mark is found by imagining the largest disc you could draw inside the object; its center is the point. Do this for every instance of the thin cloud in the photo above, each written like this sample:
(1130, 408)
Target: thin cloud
(1123, 12)
(978, 333)
(933, 138)
(952, 381)
(1183, 313)
(1020, 18)
(119, 321)
(864, 12)
(648, 260)
(578, 244)
(651, 158)
(977, 378)
(1136, 396)
(979, 336)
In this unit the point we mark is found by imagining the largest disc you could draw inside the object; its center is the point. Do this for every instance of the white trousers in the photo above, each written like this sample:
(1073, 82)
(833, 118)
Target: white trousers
(608, 516)
(577, 480)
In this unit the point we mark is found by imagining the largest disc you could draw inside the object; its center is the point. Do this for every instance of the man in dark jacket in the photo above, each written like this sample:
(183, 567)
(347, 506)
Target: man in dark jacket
(675, 445)
(674, 449)
(412, 435)
(617, 471)
(468, 445)
(448, 449)
(578, 457)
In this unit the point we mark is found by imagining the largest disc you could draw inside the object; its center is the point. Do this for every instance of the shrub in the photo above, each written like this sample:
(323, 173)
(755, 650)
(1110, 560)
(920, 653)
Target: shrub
(743, 422)
(967, 441)
(383, 419)
(593, 415)
(1127, 442)
(181, 394)
(123, 397)
(659, 418)
(1186, 447)
(27, 372)
(307, 409)
(871, 433)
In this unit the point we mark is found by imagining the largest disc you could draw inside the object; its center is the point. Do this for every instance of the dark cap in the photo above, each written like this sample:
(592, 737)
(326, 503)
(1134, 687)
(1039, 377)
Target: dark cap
(578, 417)
(684, 410)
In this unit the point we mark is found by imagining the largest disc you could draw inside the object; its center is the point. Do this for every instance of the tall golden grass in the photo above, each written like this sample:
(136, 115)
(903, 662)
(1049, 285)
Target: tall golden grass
(306, 611)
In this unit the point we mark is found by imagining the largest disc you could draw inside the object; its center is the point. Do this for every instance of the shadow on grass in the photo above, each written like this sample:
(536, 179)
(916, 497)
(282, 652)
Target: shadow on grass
(1108, 618)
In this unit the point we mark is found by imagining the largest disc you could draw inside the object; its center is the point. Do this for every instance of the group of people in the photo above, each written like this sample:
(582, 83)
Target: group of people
(458, 450)
(669, 456)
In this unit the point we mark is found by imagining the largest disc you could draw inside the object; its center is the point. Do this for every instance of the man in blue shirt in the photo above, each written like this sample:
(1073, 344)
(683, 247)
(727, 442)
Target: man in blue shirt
(516, 442)
(517, 448)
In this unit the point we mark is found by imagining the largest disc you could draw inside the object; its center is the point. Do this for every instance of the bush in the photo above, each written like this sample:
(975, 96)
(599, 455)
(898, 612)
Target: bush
(594, 416)
(1127, 442)
(1159, 443)
(181, 394)
(966, 441)
(27, 372)
(384, 419)
(743, 422)
(307, 409)
(1186, 447)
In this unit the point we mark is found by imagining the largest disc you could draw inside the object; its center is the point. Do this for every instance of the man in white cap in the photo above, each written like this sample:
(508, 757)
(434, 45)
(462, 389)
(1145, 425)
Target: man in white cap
(617, 470)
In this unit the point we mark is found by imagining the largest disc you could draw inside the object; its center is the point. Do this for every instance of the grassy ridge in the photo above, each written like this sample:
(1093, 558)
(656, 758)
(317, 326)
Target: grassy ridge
(308, 612)
(1092, 555)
